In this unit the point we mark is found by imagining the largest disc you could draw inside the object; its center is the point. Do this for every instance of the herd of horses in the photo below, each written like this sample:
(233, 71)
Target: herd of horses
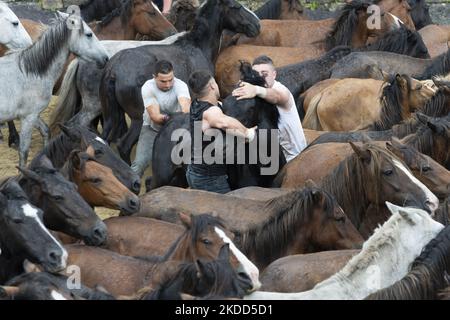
(361, 213)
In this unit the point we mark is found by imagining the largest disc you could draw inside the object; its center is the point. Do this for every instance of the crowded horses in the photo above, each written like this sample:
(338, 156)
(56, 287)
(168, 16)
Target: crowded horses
(215, 152)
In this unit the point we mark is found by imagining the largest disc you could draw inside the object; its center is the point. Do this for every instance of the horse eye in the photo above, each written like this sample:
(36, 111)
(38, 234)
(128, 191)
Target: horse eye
(388, 172)
(57, 198)
(89, 35)
(98, 152)
(152, 13)
(206, 241)
(17, 220)
(426, 168)
(96, 180)
(340, 219)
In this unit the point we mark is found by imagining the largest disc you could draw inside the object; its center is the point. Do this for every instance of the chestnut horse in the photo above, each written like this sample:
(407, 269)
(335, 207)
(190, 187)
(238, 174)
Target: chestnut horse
(373, 104)
(97, 184)
(363, 182)
(302, 221)
(121, 275)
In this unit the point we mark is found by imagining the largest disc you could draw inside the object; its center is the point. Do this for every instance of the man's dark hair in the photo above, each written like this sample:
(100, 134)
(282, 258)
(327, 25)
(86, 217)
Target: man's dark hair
(198, 81)
(262, 60)
(163, 66)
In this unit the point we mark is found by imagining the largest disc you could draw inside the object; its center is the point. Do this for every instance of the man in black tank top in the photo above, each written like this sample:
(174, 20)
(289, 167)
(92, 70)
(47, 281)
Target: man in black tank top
(205, 114)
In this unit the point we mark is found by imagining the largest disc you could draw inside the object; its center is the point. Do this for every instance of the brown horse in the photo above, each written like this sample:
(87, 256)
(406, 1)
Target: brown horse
(97, 184)
(303, 221)
(372, 103)
(121, 275)
(363, 182)
(309, 269)
(436, 38)
(433, 175)
(350, 28)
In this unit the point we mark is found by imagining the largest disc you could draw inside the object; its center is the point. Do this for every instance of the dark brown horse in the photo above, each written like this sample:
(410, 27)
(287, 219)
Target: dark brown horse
(363, 182)
(97, 184)
(300, 221)
(121, 275)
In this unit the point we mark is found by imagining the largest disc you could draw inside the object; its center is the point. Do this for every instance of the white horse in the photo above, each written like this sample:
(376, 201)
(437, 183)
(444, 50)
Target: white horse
(27, 77)
(83, 79)
(12, 33)
(384, 259)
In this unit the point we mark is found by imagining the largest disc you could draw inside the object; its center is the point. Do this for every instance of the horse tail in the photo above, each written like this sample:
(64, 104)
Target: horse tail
(68, 102)
(113, 115)
(311, 120)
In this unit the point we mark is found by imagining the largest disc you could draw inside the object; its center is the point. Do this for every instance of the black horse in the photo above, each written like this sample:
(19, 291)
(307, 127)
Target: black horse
(23, 235)
(94, 10)
(124, 75)
(250, 112)
(420, 13)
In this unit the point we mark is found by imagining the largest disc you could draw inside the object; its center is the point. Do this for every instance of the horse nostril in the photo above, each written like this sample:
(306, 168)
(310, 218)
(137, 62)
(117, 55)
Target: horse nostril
(132, 203)
(54, 256)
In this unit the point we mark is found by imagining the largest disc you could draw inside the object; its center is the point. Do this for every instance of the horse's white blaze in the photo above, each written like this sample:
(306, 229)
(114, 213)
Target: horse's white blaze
(397, 20)
(31, 212)
(57, 296)
(156, 7)
(434, 201)
(14, 37)
(250, 11)
(100, 140)
(249, 268)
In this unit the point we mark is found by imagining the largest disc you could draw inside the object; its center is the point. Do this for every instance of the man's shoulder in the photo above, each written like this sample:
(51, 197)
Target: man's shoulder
(180, 83)
(148, 85)
(279, 85)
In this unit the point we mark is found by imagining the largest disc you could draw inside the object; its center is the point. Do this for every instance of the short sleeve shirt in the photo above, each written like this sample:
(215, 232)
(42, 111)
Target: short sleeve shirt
(167, 100)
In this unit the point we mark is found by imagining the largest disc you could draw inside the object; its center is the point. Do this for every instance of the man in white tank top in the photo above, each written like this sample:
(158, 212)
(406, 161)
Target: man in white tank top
(292, 138)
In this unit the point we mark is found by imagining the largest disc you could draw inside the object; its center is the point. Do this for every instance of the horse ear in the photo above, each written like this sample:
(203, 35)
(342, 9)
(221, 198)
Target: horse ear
(8, 291)
(76, 158)
(395, 143)
(30, 174)
(435, 127)
(401, 80)
(392, 207)
(200, 266)
(362, 153)
(185, 219)
(310, 184)
(224, 253)
(74, 135)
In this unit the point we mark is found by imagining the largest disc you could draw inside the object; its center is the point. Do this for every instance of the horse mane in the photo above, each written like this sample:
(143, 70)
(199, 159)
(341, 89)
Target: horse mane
(438, 105)
(124, 12)
(405, 127)
(391, 104)
(422, 140)
(427, 274)
(271, 237)
(396, 41)
(345, 25)
(269, 10)
(347, 182)
(38, 58)
(439, 65)
(198, 31)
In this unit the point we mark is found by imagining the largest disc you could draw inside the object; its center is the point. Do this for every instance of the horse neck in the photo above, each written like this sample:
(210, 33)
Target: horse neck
(393, 111)
(11, 261)
(181, 250)
(346, 184)
(274, 238)
(116, 29)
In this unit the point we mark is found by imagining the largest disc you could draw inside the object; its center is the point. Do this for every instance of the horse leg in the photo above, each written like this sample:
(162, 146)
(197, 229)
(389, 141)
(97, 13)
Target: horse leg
(13, 139)
(44, 130)
(129, 140)
(27, 125)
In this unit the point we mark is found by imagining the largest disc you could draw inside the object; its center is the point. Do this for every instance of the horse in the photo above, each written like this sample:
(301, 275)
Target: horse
(94, 10)
(281, 10)
(203, 279)
(33, 29)
(64, 208)
(13, 35)
(78, 137)
(384, 259)
(125, 74)
(121, 275)
(420, 13)
(23, 235)
(437, 106)
(357, 64)
(97, 184)
(402, 41)
(386, 178)
(47, 286)
(250, 112)
(302, 221)
(350, 28)
(36, 70)
(374, 104)
(427, 275)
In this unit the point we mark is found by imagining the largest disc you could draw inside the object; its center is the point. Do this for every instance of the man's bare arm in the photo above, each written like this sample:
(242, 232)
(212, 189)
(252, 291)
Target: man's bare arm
(185, 104)
(217, 119)
(155, 114)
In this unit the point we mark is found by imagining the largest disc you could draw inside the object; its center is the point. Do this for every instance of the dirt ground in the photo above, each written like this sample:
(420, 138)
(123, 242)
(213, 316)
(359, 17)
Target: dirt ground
(9, 158)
